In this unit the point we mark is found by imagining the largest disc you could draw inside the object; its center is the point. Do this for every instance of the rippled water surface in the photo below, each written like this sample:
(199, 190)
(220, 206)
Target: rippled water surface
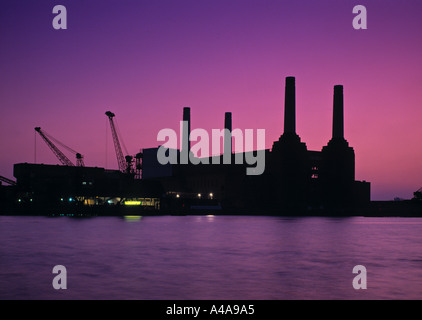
(210, 257)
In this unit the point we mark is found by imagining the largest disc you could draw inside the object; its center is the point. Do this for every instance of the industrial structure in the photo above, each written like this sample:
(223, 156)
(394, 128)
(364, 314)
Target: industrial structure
(126, 163)
(295, 181)
(48, 139)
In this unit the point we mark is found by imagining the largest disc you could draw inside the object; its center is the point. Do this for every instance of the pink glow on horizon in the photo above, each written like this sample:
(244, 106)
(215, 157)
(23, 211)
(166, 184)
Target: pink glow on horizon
(145, 62)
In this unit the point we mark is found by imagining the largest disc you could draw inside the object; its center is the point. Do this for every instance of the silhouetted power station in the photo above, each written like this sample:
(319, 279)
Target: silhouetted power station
(295, 180)
(326, 177)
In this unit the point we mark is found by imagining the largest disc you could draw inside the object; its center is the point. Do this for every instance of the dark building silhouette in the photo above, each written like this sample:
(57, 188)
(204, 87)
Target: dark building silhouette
(338, 160)
(289, 158)
(295, 181)
(41, 186)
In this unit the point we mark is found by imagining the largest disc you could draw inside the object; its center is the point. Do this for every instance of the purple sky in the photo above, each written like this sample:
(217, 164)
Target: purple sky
(146, 60)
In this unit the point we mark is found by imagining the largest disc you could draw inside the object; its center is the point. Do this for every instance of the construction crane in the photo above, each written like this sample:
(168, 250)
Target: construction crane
(125, 163)
(60, 155)
(11, 182)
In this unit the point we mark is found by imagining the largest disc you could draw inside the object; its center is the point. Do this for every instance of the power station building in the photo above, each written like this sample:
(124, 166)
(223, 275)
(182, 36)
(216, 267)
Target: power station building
(295, 180)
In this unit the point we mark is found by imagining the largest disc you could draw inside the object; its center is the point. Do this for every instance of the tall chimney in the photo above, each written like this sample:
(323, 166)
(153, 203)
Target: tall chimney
(290, 106)
(228, 133)
(186, 140)
(338, 121)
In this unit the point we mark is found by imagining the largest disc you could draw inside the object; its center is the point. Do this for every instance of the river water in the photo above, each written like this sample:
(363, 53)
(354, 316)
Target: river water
(210, 257)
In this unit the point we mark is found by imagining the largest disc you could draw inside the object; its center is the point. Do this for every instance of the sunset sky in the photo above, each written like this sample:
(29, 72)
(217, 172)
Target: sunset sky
(146, 60)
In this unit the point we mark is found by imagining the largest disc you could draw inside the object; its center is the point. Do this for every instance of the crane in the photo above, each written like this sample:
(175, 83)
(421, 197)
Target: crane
(60, 155)
(125, 163)
(11, 182)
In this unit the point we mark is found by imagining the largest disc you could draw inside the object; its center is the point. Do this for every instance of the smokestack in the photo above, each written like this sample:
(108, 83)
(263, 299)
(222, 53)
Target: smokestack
(290, 106)
(186, 121)
(228, 133)
(338, 121)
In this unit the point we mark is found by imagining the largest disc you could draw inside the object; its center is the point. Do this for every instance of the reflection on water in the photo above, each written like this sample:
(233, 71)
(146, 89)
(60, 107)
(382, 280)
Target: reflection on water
(132, 218)
(210, 257)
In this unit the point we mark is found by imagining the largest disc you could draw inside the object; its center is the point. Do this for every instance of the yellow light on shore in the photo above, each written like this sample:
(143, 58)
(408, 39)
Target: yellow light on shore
(132, 203)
